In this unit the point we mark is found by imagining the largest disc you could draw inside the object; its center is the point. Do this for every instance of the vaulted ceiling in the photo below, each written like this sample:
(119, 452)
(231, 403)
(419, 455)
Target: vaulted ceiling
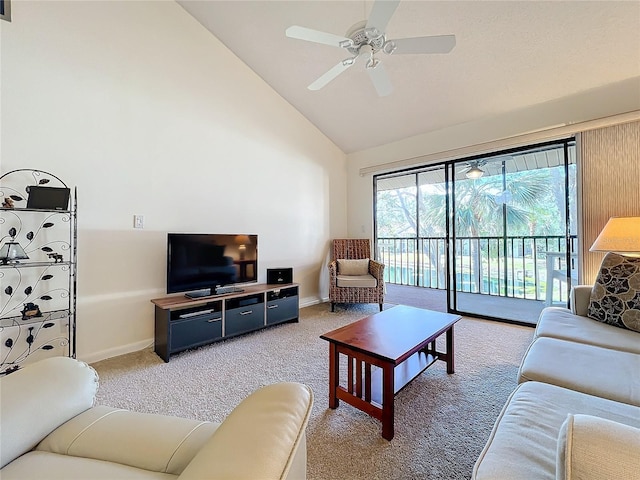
(509, 55)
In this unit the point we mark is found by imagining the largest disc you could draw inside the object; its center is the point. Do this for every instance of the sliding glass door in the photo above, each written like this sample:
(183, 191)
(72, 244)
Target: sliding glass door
(495, 231)
(411, 212)
(511, 233)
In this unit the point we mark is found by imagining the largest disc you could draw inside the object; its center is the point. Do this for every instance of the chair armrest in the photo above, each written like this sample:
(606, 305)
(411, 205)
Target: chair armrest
(579, 299)
(377, 270)
(594, 448)
(333, 272)
(40, 397)
(263, 437)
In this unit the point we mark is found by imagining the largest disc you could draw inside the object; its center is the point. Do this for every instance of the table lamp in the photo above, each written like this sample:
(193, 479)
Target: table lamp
(242, 241)
(620, 235)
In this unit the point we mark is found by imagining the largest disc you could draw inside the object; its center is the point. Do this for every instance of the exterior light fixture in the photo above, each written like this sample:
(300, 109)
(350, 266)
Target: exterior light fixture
(474, 172)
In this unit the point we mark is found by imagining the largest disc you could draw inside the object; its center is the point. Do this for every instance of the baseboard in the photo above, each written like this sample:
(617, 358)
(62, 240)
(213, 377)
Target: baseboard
(116, 351)
(136, 346)
(308, 301)
(141, 345)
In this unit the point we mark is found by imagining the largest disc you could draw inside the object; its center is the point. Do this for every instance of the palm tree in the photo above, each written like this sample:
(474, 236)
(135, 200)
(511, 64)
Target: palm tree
(482, 205)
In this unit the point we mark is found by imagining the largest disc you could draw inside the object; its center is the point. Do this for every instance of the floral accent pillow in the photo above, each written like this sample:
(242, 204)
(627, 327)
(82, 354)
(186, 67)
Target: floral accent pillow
(615, 297)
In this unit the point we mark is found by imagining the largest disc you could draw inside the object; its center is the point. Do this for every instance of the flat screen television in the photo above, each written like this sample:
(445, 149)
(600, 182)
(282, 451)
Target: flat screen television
(201, 263)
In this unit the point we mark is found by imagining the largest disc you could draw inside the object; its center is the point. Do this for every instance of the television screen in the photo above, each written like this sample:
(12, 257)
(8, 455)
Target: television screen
(199, 261)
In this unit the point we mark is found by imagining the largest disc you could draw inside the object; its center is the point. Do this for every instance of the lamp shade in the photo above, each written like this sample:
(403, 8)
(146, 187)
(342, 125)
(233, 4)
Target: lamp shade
(620, 234)
(242, 240)
(11, 252)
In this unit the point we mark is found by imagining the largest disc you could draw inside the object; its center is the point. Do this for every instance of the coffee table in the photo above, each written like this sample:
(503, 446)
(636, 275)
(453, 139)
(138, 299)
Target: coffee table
(401, 341)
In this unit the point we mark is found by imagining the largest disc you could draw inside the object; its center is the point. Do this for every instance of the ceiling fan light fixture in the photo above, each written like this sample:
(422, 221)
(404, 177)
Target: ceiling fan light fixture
(346, 43)
(372, 62)
(389, 47)
(372, 33)
(474, 172)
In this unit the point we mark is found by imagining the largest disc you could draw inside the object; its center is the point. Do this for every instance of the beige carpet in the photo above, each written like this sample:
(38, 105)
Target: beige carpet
(442, 421)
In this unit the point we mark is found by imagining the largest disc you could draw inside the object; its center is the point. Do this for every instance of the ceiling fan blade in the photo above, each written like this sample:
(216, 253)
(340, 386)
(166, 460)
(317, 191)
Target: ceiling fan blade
(380, 80)
(332, 73)
(310, 35)
(431, 44)
(381, 13)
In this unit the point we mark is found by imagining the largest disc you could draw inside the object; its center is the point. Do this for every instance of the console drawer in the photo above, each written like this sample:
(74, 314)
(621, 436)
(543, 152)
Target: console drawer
(244, 319)
(282, 310)
(192, 332)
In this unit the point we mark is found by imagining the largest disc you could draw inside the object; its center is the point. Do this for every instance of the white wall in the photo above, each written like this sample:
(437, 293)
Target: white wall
(594, 104)
(142, 109)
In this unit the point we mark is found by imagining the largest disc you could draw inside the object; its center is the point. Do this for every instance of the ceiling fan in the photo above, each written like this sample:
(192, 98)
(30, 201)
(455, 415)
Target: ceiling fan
(473, 170)
(366, 39)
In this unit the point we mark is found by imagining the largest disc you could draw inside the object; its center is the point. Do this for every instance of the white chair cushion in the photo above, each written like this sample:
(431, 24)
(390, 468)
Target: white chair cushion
(353, 267)
(356, 281)
(39, 465)
(152, 442)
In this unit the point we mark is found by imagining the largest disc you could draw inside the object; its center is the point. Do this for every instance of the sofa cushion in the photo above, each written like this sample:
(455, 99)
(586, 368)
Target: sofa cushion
(39, 398)
(595, 448)
(366, 281)
(523, 442)
(615, 296)
(353, 267)
(584, 368)
(557, 322)
(38, 465)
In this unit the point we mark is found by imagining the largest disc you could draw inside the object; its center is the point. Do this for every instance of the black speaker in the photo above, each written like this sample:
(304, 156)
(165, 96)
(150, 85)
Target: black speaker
(279, 275)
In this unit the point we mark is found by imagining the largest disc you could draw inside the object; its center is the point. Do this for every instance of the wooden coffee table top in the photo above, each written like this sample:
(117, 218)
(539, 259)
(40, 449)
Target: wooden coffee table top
(393, 333)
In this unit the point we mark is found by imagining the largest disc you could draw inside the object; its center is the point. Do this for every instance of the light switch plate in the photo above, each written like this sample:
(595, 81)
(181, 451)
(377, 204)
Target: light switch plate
(138, 221)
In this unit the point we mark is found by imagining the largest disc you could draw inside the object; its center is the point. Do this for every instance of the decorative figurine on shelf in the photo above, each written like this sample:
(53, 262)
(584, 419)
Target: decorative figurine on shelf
(30, 310)
(57, 257)
(8, 202)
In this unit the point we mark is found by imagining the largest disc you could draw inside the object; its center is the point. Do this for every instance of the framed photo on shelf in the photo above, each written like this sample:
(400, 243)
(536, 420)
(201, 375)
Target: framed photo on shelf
(5, 10)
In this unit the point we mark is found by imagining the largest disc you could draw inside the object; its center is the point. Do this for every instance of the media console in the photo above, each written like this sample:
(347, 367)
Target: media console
(182, 323)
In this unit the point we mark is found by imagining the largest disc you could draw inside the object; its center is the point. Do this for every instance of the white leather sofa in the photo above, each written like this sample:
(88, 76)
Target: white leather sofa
(576, 411)
(50, 429)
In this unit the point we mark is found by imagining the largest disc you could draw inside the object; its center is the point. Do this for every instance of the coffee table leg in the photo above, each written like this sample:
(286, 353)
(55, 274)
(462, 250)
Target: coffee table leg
(387, 401)
(450, 363)
(333, 375)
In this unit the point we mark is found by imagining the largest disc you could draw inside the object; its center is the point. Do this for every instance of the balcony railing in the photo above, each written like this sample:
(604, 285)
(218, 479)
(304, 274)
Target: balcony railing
(519, 267)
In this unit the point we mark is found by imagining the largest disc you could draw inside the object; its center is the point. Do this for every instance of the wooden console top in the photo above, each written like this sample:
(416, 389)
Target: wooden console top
(181, 300)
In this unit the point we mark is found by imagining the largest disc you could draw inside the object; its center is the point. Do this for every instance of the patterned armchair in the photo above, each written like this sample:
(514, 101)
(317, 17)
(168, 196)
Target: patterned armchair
(354, 277)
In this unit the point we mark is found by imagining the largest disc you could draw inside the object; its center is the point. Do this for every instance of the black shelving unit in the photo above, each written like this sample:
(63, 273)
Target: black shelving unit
(37, 294)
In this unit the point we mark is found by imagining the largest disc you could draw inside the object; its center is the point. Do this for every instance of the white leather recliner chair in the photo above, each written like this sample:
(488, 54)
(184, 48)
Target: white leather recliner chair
(50, 429)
